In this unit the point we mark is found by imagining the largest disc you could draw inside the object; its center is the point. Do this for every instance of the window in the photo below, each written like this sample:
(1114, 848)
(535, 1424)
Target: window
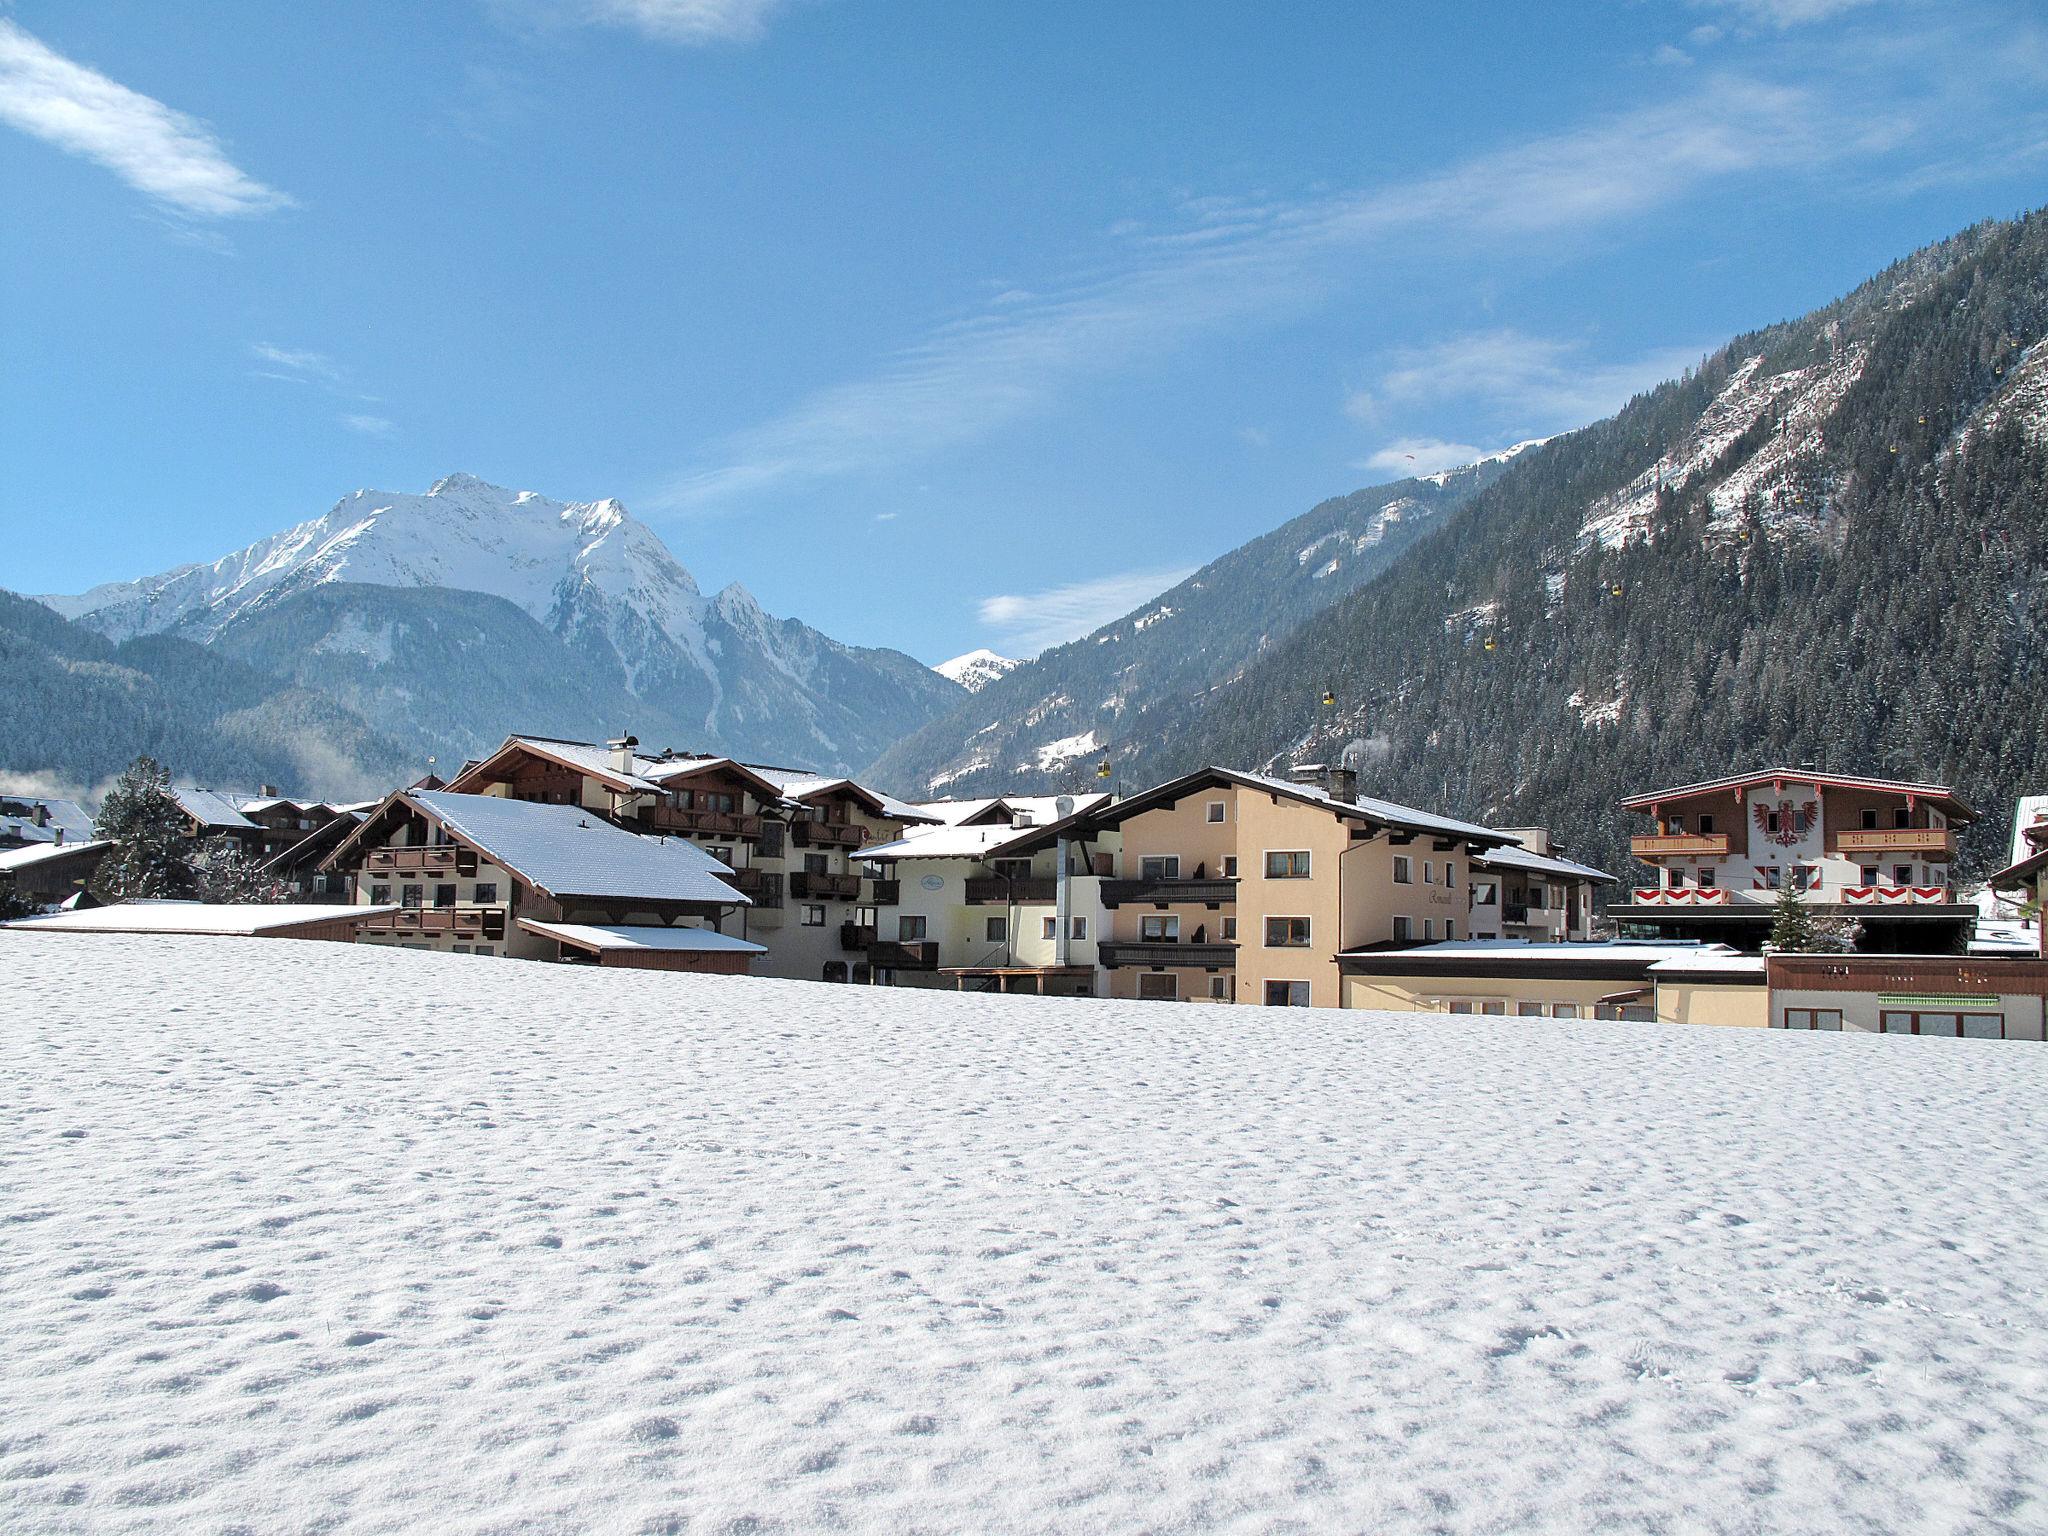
(1230, 866)
(1983, 1026)
(817, 864)
(1771, 877)
(1286, 994)
(716, 800)
(1450, 875)
(1157, 928)
(1286, 933)
(486, 892)
(380, 895)
(997, 930)
(1902, 874)
(1428, 872)
(1012, 869)
(1675, 825)
(1215, 810)
(1528, 1010)
(1050, 928)
(1971, 1026)
(1564, 1011)
(1484, 893)
(1868, 875)
(1159, 987)
(1403, 871)
(1286, 865)
(459, 949)
(1159, 866)
(1219, 988)
(909, 930)
(444, 895)
(1404, 927)
(1494, 1007)
(1706, 822)
(1459, 1005)
(409, 896)
(1901, 816)
(1812, 1018)
(1706, 878)
(1078, 928)
(1450, 929)
(1230, 930)
(1869, 818)
(1428, 930)
(814, 915)
(483, 949)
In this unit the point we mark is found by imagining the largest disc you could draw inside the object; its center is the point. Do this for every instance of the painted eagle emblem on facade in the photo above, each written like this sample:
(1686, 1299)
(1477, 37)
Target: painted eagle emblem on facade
(1794, 821)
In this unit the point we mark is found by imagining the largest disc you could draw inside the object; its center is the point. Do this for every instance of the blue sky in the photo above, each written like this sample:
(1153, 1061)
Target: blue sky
(938, 325)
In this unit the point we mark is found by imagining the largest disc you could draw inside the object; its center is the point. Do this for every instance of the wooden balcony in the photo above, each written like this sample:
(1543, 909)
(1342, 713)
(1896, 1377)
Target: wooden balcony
(897, 955)
(804, 886)
(1162, 893)
(764, 886)
(420, 861)
(995, 891)
(1139, 952)
(885, 893)
(1664, 845)
(827, 834)
(1937, 841)
(670, 818)
(442, 922)
(856, 938)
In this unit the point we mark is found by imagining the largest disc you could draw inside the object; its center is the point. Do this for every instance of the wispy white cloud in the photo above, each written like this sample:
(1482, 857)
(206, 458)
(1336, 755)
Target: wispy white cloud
(1421, 456)
(297, 364)
(1539, 383)
(174, 159)
(1232, 263)
(687, 23)
(1027, 623)
(1783, 14)
(370, 426)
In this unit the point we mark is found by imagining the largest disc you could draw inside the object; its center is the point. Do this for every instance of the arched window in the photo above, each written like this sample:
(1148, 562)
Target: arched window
(835, 970)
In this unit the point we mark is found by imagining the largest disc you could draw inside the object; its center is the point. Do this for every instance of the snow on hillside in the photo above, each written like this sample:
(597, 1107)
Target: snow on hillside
(977, 669)
(306, 1237)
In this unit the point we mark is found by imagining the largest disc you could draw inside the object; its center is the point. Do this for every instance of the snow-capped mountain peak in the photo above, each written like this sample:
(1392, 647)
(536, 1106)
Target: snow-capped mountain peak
(977, 669)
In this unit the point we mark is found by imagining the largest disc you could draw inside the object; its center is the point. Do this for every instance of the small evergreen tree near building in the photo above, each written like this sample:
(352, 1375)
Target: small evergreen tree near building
(225, 871)
(151, 856)
(1792, 927)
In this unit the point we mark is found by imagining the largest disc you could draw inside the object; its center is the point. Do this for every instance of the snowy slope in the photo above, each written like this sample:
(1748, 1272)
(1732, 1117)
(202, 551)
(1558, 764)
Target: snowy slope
(718, 670)
(977, 669)
(505, 1246)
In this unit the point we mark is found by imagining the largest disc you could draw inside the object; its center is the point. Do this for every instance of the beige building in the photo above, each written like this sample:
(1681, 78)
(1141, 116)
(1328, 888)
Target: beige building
(1630, 980)
(1241, 888)
(789, 837)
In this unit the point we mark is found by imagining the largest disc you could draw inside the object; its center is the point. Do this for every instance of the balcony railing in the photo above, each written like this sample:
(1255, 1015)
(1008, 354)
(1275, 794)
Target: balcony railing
(764, 886)
(421, 861)
(995, 891)
(671, 818)
(885, 893)
(1142, 952)
(827, 834)
(1663, 845)
(856, 937)
(456, 922)
(901, 955)
(1208, 892)
(805, 886)
(1935, 840)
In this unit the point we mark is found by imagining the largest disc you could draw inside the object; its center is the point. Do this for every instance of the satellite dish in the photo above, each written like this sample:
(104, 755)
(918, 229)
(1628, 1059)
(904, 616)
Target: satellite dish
(1064, 806)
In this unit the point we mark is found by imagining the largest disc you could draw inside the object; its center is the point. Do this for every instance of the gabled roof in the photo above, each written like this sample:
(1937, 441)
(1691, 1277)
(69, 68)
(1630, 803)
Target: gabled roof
(581, 756)
(806, 788)
(18, 819)
(14, 859)
(1366, 809)
(666, 774)
(211, 810)
(1733, 782)
(196, 917)
(565, 850)
(1541, 864)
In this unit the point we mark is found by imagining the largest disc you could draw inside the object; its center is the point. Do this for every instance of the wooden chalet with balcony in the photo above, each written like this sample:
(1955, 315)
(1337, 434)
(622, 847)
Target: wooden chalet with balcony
(1873, 850)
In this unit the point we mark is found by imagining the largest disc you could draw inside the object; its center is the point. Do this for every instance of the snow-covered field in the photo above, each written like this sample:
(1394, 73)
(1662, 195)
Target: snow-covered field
(305, 1237)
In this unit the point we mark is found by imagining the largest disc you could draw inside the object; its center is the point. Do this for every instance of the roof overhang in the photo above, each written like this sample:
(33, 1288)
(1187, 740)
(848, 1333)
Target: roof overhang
(1735, 783)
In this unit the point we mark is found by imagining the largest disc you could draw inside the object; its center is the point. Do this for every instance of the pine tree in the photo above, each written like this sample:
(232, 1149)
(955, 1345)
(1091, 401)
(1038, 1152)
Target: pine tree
(225, 871)
(151, 856)
(1792, 928)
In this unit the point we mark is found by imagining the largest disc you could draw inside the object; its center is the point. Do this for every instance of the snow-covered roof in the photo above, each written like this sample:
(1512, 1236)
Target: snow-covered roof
(18, 819)
(1710, 964)
(1540, 864)
(568, 851)
(1645, 952)
(1389, 812)
(1739, 781)
(12, 859)
(2030, 811)
(210, 809)
(2005, 936)
(602, 936)
(948, 843)
(201, 917)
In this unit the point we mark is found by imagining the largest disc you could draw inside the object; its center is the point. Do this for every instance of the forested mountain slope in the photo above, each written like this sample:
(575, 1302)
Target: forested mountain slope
(1042, 725)
(1828, 546)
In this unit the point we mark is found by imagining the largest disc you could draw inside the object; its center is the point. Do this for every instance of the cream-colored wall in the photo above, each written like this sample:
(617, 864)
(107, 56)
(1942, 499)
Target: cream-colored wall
(1860, 1010)
(1431, 994)
(1725, 1004)
(1372, 899)
(1184, 830)
(1265, 825)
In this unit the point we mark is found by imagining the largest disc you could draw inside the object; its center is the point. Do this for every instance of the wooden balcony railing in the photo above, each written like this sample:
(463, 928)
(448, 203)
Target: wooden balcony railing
(451, 922)
(1939, 841)
(995, 891)
(856, 937)
(1144, 952)
(420, 861)
(1662, 845)
(900, 955)
(670, 818)
(1211, 892)
(885, 893)
(805, 886)
(827, 834)
(764, 886)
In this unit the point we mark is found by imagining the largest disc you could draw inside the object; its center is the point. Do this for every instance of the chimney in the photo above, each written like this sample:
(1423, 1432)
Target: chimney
(266, 791)
(622, 753)
(1342, 784)
(42, 814)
